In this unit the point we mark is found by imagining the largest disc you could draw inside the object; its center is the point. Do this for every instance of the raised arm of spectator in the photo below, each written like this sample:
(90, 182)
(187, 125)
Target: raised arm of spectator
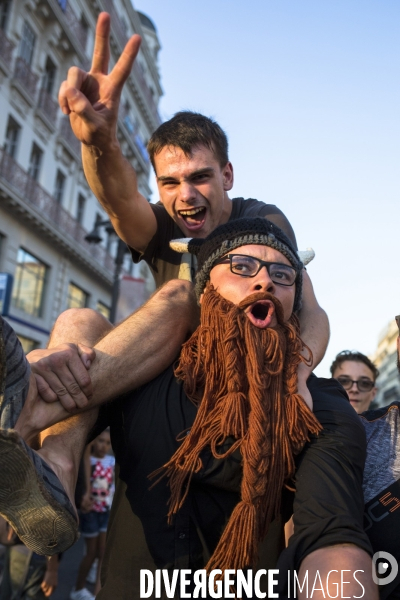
(92, 99)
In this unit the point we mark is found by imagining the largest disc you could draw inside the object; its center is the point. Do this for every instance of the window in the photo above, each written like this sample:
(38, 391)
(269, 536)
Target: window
(5, 6)
(80, 209)
(77, 298)
(27, 43)
(49, 76)
(103, 309)
(59, 186)
(12, 137)
(35, 162)
(29, 283)
(27, 343)
(129, 120)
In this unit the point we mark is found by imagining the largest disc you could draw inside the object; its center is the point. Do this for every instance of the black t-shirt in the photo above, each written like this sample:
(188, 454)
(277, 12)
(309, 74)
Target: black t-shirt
(327, 506)
(165, 263)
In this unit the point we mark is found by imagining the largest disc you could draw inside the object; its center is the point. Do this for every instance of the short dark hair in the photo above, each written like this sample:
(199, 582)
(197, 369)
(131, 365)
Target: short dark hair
(186, 130)
(356, 357)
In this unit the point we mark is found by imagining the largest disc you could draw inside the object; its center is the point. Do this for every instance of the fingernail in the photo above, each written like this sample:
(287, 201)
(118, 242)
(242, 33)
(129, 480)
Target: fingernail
(65, 110)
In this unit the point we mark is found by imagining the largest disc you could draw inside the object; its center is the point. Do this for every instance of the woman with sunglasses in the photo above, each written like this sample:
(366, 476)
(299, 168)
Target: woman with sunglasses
(357, 374)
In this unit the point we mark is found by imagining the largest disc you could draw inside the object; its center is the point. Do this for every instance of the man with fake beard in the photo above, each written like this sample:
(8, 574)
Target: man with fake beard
(225, 436)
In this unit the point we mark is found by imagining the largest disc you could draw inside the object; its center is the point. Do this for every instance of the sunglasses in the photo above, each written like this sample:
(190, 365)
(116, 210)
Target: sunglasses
(249, 266)
(364, 384)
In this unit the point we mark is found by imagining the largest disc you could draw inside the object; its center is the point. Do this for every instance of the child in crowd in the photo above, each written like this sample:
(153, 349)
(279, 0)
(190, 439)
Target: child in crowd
(95, 510)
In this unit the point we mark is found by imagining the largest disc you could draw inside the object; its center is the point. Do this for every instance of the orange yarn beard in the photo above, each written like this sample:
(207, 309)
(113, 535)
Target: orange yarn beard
(244, 381)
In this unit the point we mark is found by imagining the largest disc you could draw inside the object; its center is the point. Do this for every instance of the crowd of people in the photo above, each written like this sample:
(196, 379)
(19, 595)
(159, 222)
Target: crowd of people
(221, 431)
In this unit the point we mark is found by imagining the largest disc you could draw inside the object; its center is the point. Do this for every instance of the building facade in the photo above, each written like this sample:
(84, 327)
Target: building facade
(46, 206)
(385, 358)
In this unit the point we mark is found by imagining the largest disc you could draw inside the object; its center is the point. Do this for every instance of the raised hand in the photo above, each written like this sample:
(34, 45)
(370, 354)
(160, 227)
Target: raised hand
(92, 99)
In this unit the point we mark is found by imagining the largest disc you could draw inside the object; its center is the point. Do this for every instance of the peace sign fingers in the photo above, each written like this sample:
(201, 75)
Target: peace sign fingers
(124, 64)
(101, 51)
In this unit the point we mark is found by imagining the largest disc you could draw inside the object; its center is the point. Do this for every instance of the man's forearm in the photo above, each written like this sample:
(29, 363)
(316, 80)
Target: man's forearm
(342, 571)
(111, 177)
(113, 181)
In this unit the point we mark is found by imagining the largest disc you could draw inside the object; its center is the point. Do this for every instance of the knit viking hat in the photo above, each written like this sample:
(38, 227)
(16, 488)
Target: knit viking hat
(242, 232)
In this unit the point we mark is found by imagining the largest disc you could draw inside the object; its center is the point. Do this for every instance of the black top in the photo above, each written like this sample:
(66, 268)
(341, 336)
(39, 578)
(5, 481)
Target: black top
(327, 505)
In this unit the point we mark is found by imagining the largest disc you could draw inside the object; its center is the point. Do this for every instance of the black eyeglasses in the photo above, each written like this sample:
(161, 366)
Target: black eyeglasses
(398, 322)
(249, 266)
(364, 384)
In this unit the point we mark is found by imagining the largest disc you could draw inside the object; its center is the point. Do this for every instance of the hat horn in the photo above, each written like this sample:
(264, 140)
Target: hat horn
(306, 256)
(180, 245)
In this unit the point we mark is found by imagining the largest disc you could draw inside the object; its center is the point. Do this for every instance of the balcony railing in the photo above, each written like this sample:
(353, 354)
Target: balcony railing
(24, 75)
(6, 48)
(32, 194)
(48, 106)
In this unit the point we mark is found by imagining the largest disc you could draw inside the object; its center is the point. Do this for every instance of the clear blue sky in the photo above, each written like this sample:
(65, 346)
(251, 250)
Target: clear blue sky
(308, 92)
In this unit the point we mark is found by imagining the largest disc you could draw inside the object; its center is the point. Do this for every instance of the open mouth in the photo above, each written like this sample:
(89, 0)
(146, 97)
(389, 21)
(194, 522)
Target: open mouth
(194, 218)
(261, 313)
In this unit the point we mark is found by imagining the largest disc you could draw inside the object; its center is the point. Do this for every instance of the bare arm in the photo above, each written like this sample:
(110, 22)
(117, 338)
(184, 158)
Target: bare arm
(342, 571)
(314, 326)
(92, 100)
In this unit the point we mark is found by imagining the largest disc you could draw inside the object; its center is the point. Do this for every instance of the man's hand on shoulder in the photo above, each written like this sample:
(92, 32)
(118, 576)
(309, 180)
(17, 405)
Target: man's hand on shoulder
(61, 374)
(92, 98)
